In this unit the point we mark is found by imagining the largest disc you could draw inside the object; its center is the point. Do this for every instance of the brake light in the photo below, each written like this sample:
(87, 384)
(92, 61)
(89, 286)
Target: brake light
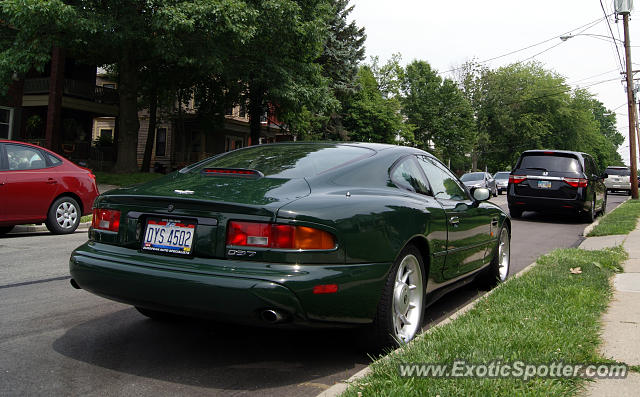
(270, 235)
(232, 172)
(104, 219)
(576, 182)
(517, 178)
(325, 289)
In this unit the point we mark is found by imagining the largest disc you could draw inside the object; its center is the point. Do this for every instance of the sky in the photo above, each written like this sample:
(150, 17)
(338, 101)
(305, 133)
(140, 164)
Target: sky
(448, 33)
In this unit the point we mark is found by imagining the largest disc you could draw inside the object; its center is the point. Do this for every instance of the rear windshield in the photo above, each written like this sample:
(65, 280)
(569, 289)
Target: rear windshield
(618, 171)
(474, 176)
(550, 163)
(501, 175)
(287, 160)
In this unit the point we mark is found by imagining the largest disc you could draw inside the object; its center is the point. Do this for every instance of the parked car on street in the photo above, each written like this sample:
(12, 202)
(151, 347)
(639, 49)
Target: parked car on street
(313, 234)
(38, 185)
(502, 181)
(474, 180)
(557, 180)
(618, 179)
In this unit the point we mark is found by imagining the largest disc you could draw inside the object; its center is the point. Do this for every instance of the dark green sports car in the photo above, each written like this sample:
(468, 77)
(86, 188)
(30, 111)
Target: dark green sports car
(317, 234)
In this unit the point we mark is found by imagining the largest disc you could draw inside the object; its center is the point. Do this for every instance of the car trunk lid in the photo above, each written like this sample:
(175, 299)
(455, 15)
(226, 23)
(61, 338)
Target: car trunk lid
(204, 200)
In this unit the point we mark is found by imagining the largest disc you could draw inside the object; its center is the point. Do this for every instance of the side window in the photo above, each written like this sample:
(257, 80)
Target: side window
(53, 159)
(24, 158)
(407, 175)
(444, 184)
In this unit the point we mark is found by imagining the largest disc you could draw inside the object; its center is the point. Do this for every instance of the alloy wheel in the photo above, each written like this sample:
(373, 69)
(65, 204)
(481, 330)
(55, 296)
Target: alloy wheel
(503, 255)
(407, 299)
(66, 215)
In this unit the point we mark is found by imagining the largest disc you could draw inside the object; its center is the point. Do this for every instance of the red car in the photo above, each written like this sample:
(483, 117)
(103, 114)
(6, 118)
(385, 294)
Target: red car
(37, 185)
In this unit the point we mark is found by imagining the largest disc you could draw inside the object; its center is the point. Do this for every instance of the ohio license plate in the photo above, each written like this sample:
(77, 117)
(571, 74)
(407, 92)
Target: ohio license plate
(169, 236)
(544, 184)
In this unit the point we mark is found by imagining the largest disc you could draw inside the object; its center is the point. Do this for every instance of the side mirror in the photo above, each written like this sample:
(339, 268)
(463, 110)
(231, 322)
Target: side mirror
(481, 194)
(605, 175)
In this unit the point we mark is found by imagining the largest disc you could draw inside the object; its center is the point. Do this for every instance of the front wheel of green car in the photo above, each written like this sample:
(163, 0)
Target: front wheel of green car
(401, 306)
(498, 270)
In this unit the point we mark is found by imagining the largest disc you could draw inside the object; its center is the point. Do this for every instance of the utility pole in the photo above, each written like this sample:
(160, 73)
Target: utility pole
(631, 110)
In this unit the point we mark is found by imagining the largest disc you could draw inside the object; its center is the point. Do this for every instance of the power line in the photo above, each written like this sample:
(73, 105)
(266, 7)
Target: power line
(560, 92)
(587, 25)
(596, 75)
(615, 43)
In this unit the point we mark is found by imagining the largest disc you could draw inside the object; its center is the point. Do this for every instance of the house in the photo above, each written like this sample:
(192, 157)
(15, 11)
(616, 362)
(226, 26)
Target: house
(56, 108)
(181, 138)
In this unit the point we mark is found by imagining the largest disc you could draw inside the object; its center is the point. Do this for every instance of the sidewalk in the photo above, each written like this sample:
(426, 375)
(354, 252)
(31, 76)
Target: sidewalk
(621, 322)
(42, 228)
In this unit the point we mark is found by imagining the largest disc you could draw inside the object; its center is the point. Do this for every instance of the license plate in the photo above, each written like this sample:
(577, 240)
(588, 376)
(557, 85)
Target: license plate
(169, 236)
(544, 184)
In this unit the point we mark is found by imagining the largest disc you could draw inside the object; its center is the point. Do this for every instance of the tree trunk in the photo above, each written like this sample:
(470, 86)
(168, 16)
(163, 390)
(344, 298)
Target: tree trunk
(151, 132)
(128, 117)
(256, 108)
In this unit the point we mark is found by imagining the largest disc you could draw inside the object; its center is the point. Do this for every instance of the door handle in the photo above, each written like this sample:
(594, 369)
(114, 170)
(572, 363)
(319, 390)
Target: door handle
(51, 181)
(454, 220)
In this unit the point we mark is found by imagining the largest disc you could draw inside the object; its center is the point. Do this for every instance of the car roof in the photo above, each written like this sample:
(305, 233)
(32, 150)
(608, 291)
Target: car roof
(552, 151)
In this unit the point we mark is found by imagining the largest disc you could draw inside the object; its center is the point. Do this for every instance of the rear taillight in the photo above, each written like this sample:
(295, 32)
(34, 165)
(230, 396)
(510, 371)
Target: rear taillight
(104, 219)
(576, 182)
(270, 235)
(517, 178)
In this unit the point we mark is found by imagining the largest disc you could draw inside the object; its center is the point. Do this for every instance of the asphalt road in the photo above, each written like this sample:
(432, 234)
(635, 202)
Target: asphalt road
(56, 340)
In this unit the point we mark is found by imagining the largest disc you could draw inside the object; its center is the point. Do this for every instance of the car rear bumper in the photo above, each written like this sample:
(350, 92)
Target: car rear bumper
(618, 186)
(233, 291)
(545, 203)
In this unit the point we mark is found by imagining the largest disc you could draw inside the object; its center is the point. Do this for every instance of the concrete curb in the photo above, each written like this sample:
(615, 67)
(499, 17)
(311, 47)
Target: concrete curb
(590, 227)
(42, 228)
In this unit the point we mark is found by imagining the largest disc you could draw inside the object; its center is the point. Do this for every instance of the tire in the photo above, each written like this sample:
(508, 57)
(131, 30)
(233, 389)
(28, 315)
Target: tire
(590, 215)
(500, 266)
(401, 306)
(63, 216)
(515, 212)
(6, 229)
(500, 192)
(157, 315)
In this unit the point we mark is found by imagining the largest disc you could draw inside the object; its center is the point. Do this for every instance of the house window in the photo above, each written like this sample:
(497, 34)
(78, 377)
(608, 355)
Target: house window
(233, 142)
(243, 111)
(6, 119)
(161, 142)
(106, 134)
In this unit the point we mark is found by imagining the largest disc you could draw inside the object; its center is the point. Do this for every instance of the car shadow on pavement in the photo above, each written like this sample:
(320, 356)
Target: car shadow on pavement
(226, 356)
(552, 217)
(211, 355)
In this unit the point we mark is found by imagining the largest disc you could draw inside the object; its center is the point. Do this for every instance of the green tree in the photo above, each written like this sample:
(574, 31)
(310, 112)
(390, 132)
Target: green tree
(277, 64)
(343, 51)
(442, 116)
(371, 117)
(193, 35)
(521, 107)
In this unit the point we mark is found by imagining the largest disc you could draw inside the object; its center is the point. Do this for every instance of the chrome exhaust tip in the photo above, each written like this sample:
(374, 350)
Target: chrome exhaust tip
(271, 316)
(74, 284)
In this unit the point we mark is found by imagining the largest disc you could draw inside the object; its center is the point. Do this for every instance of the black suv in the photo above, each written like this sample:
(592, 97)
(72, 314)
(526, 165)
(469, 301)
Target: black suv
(556, 180)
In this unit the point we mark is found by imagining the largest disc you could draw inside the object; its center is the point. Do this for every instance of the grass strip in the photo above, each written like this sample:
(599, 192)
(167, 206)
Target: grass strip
(621, 220)
(109, 178)
(547, 315)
